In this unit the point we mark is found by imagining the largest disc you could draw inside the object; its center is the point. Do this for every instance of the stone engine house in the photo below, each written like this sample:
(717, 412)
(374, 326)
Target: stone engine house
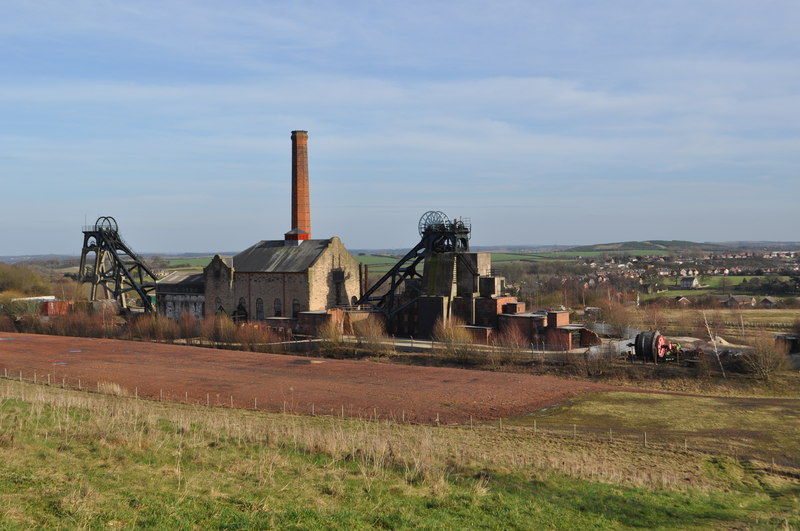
(272, 279)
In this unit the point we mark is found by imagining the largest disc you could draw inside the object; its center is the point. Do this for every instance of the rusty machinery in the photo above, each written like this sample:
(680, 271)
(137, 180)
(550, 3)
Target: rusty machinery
(653, 346)
(116, 271)
(438, 234)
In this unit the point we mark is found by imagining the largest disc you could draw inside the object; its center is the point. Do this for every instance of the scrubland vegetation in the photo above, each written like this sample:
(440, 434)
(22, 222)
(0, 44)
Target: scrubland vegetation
(74, 459)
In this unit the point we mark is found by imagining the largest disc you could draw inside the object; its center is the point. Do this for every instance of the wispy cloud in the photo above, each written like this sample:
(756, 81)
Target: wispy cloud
(516, 111)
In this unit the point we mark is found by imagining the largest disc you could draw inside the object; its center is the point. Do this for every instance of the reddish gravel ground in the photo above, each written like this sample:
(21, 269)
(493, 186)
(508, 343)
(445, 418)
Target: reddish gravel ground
(274, 382)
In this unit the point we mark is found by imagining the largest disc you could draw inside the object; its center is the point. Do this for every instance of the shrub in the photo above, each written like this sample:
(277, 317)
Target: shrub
(7, 324)
(82, 323)
(617, 316)
(188, 326)
(154, 327)
(31, 323)
(371, 334)
(254, 337)
(332, 338)
(456, 341)
(654, 318)
(218, 329)
(592, 364)
(512, 345)
(765, 357)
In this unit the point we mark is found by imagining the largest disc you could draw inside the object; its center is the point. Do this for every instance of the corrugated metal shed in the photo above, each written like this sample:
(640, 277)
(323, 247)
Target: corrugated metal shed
(273, 256)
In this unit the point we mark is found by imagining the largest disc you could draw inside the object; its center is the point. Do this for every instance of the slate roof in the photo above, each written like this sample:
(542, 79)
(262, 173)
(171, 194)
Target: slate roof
(272, 256)
(183, 278)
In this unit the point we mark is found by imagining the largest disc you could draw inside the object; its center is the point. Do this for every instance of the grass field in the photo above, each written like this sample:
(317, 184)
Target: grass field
(189, 263)
(377, 264)
(756, 429)
(73, 459)
(716, 285)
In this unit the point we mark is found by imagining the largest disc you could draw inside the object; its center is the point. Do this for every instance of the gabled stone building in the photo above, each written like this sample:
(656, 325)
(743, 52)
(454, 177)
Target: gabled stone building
(273, 279)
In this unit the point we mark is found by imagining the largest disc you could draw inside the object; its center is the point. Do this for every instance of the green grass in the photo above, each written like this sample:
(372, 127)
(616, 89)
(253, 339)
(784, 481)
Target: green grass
(614, 252)
(74, 460)
(189, 263)
(758, 428)
(646, 247)
(568, 255)
(717, 286)
(377, 264)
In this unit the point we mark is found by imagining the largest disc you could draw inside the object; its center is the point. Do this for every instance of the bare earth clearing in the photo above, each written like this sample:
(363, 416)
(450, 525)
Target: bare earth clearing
(277, 382)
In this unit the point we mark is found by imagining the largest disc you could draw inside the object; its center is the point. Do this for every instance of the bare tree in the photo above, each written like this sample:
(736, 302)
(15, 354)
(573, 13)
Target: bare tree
(713, 340)
(766, 357)
(617, 316)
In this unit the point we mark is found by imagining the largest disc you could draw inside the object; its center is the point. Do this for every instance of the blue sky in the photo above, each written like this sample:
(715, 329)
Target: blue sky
(545, 122)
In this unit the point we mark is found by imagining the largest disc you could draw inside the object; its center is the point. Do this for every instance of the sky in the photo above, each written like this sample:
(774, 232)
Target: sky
(543, 122)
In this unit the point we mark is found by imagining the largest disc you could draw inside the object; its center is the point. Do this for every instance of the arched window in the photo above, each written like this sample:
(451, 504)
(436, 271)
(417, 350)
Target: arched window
(259, 308)
(295, 307)
(277, 307)
(240, 315)
(218, 306)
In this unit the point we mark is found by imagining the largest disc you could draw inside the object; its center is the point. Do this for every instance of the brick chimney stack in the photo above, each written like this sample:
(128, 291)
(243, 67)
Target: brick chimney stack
(301, 208)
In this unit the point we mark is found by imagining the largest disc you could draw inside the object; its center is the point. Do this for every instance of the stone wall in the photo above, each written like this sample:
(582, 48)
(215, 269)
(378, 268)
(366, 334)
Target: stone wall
(218, 276)
(333, 278)
(285, 287)
(173, 305)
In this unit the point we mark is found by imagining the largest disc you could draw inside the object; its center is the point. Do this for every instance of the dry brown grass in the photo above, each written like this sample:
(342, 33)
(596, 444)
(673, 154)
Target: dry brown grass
(765, 357)
(456, 343)
(371, 334)
(425, 454)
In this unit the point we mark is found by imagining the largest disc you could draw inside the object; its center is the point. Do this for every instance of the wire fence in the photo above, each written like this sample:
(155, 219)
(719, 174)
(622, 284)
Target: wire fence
(738, 444)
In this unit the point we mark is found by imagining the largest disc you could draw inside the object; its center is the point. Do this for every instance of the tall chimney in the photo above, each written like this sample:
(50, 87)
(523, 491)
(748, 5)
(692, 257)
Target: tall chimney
(301, 209)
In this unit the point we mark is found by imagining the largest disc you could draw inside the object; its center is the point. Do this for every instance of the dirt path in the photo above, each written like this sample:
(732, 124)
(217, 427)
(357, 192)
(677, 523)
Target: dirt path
(274, 382)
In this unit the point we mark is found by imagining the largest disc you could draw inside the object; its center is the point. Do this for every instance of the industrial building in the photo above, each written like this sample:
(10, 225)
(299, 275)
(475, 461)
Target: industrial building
(277, 281)
(298, 283)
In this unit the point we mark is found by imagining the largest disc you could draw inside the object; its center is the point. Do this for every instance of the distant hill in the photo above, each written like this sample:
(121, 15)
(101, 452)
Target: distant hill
(772, 246)
(650, 245)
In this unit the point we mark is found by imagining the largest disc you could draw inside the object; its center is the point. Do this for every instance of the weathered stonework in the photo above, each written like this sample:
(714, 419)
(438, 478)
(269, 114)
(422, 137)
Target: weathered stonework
(329, 280)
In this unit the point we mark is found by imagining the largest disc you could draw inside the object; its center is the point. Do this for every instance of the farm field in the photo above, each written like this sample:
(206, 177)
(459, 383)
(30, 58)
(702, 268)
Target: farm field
(77, 459)
(182, 264)
(281, 382)
(732, 325)
(755, 429)
(757, 316)
(717, 285)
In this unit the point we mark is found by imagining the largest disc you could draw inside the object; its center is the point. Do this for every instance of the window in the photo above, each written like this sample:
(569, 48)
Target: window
(277, 307)
(259, 308)
(218, 305)
(240, 315)
(295, 307)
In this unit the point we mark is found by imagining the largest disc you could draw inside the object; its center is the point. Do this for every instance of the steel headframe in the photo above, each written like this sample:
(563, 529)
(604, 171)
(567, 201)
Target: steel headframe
(438, 235)
(116, 270)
